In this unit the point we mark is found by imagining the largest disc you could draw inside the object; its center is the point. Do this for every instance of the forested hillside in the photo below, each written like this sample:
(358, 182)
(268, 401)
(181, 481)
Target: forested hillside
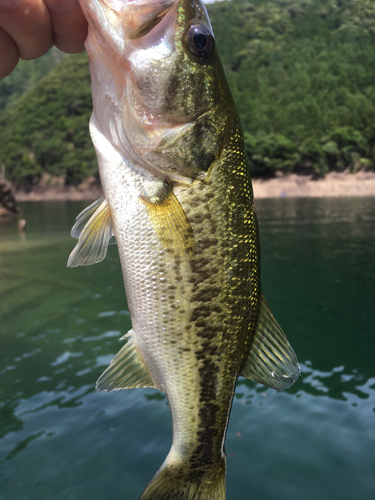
(302, 73)
(47, 130)
(25, 76)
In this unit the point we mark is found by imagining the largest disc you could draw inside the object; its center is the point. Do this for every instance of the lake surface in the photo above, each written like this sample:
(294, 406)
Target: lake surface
(59, 328)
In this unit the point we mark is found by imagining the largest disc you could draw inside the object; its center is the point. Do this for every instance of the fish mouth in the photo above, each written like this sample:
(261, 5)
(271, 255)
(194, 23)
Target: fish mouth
(137, 17)
(140, 17)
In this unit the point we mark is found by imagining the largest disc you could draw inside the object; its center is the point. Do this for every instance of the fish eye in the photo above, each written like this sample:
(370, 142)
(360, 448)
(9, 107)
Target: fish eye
(200, 42)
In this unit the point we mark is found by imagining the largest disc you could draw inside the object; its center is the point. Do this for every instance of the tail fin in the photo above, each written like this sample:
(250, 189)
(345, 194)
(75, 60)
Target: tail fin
(173, 482)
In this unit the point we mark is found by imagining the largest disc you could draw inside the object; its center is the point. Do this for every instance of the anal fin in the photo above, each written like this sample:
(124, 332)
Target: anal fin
(271, 360)
(126, 370)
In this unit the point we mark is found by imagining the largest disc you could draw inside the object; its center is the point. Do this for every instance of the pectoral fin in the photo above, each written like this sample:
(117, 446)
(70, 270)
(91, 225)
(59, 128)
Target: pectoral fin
(271, 360)
(169, 219)
(94, 230)
(126, 370)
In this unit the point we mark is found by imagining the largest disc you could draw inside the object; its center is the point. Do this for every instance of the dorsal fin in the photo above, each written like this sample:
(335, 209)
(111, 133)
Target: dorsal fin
(169, 219)
(271, 360)
(126, 370)
(94, 230)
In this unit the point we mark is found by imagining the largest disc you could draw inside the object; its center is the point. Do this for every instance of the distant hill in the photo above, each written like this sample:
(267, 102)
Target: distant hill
(301, 72)
(46, 131)
(25, 76)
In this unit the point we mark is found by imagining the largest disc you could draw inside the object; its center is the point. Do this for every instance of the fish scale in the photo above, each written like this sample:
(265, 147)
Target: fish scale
(178, 201)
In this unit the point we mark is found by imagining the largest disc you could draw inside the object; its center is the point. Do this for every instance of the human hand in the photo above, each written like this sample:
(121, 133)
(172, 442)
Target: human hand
(28, 28)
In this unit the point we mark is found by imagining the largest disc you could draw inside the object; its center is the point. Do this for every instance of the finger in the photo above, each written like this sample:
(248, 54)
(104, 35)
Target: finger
(29, 24)
(68, 24)
(8, 54)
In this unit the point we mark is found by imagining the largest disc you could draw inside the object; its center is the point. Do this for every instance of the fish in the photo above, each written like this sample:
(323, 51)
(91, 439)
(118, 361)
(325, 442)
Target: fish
(179, 204)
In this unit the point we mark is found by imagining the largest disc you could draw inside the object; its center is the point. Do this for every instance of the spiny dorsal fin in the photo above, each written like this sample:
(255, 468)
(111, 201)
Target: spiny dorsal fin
(126, 370)
(271, 360)
(94, 230)
(169, 219)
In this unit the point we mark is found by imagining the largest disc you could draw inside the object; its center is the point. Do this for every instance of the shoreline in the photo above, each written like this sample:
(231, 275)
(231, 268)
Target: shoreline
(90, 189)
(334, 184)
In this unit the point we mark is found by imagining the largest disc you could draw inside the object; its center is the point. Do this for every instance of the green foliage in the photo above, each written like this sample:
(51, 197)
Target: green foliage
(25, 76)
(270, 152)
(344, 148)
(302, 75)
(47, 130)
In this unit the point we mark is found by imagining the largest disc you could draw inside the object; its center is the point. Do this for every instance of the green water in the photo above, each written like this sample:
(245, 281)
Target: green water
(59, 328)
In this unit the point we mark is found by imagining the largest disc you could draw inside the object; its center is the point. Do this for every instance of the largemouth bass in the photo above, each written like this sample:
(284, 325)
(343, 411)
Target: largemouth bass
(178, 201)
